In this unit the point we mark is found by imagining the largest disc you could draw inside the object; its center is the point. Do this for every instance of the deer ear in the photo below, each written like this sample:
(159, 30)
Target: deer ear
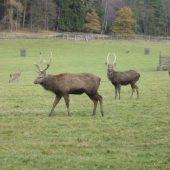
(106, 64)
(114, 65)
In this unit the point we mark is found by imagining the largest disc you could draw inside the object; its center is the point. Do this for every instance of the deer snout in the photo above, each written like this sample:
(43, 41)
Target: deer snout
(35, 82)
(109, 69)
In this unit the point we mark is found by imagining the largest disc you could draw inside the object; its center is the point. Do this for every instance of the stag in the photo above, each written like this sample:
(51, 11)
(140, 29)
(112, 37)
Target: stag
(122, 78)
(64, 84)
(15, 76)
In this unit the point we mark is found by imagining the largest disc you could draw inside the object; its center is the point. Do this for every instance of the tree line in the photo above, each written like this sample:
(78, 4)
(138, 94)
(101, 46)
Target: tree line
(149, 17)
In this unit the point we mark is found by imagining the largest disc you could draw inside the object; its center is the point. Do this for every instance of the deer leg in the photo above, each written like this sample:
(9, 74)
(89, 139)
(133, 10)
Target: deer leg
(95, 101)
(101, 104)
(136, 87)
(133, 89)
(119, 87)
(67, 100)
(115, 92)
(95, 106)
(56, 101)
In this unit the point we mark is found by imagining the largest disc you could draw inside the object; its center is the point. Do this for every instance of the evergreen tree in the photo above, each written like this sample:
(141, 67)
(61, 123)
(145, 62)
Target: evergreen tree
(88, 5)
(43, 13)
(92, 22)
(151, 30)
(136, 6)
(72, 15)
(167, 6)
(98, 6)
(161, 17)
(156, 18)
(123, 24)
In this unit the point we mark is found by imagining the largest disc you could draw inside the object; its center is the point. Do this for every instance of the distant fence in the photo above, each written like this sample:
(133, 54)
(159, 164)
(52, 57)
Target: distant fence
(30, 36)
(82, 37)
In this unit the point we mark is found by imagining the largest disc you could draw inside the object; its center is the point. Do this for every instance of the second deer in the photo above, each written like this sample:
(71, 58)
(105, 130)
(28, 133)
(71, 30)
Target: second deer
(122, 78)
(15, 76)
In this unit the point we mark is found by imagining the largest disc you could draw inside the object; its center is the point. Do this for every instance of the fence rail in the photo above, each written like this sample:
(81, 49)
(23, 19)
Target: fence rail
(82, 37)
(30, 36)
(164, 62)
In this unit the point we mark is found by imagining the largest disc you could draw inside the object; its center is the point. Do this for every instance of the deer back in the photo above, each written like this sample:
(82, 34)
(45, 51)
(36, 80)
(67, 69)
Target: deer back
(71, 83)
(123, 78)
(16, 75)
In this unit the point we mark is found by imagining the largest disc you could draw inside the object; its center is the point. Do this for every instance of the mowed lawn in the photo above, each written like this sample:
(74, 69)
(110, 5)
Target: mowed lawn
(133, 134)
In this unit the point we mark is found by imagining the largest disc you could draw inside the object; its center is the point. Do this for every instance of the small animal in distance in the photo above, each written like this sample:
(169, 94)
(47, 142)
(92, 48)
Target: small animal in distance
(15, 76)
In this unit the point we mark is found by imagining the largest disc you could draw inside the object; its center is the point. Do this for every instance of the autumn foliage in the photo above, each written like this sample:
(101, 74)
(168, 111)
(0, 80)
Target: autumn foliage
(123, 24)
(92, 22)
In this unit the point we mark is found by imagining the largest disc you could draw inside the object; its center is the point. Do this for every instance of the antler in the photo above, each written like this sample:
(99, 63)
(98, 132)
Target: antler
(108, 58)
(48, 63)
(39, 67)
(115, 58)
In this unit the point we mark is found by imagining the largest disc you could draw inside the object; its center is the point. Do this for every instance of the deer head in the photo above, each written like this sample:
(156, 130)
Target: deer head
(42, 73)
(110, 66)
(21, 72)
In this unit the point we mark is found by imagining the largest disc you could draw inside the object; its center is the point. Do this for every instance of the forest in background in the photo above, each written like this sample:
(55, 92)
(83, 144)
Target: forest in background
(152, 17)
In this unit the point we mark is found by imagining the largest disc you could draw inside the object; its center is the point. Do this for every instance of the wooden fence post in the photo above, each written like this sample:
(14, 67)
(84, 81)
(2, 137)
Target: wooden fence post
(159, 68)
(160, 59)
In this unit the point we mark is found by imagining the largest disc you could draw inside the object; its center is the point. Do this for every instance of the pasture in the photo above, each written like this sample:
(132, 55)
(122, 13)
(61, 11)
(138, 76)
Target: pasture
(133, 134)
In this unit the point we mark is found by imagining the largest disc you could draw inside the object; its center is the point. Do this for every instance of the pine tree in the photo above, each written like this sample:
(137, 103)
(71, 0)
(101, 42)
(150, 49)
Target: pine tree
(151, 29)
(72, 15)
(43, 13)
(156, 18)
(88, 5)
(136, 6)
(167, 6)
(98, 6)
(161, 16)
(92, 22)
(123, 24)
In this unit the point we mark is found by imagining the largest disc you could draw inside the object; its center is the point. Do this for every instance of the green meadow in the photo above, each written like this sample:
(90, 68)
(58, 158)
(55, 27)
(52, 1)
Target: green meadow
(133, 134)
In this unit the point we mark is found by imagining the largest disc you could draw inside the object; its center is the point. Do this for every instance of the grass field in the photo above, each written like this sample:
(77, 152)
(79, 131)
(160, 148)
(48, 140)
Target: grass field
(133, 134)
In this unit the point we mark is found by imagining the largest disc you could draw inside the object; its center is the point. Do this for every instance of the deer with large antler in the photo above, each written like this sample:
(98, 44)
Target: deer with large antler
(122, 78)
(64, 84)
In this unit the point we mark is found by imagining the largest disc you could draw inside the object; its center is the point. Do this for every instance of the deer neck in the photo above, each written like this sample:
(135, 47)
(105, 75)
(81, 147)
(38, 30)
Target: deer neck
(48, 83)
(110, 74)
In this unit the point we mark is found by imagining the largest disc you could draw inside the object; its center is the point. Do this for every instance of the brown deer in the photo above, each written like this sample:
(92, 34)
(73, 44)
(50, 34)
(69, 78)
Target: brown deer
(64, 84)
(15, 76)
(122, 78)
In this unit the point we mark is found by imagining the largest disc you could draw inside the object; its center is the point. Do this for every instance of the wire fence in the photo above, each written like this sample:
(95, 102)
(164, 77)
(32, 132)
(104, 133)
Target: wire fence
(30, 36)
(82, 37)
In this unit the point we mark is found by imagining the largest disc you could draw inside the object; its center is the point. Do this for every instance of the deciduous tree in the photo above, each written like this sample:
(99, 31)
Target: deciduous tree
(11, 5)
(123, 24)
(92, 22)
